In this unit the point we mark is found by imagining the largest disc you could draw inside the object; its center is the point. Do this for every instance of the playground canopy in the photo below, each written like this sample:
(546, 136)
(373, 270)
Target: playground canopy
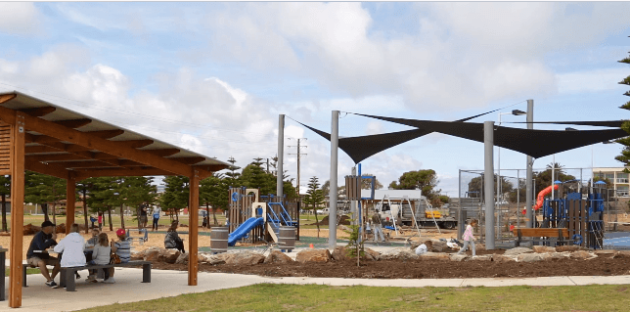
(362, 147)
(535, 143)
(42, 137)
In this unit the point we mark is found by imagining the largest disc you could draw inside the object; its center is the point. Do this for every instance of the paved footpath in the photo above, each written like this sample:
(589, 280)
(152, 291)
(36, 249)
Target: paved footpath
(128, 288)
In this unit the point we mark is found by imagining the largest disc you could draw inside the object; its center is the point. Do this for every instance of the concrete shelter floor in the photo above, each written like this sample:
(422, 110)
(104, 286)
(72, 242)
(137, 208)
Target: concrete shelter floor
(128, 287)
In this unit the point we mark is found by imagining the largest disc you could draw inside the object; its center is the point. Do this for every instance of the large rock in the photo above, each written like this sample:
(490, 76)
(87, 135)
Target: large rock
(313, 255)
(340, 253)
(481, 258)
(221, 258)
(607, 253)
(529, 257)
(582, 254)
(277, 256)
(440, 246)
(517, 251)
(567, 248)
(30, 229)
(182, 259)
(543, 249)
(399, 253)
(458, 257)
(435, 256)
(372, 255)
(137, 255)
(245, 258)
(153, 254)
(170, 255)
(504, 258)
(622, 254)
(555, 255)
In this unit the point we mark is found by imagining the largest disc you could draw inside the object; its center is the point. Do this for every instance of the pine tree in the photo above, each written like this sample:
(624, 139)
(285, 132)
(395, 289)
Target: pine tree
(625, 153)
(43, 189)
(214, 191)
(314, 197)
(175, 195)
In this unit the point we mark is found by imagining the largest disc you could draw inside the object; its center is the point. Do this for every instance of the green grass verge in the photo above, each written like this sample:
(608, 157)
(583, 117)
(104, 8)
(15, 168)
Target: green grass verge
(29, 271)
(270, 297)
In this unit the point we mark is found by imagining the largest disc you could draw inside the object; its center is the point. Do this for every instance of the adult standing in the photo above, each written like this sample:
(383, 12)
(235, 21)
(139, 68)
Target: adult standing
(37, 256)
(143, 215)
(156, 217)
(378, 227)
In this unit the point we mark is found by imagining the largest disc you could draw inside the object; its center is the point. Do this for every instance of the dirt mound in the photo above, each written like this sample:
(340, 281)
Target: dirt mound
(422, 268)
(343, 220)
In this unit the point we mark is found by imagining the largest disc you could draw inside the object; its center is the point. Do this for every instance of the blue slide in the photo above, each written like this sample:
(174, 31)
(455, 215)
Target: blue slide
(244, 229)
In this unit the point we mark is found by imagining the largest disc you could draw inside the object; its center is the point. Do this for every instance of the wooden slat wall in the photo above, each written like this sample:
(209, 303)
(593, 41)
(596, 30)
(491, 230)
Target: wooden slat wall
(5, 149)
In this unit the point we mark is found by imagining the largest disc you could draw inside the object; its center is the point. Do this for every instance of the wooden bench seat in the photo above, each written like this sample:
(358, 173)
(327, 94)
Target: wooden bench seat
(562, 234)
(67, 279)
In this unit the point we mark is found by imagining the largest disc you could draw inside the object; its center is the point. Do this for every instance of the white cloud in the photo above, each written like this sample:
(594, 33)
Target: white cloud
(19, 17)
(591, 80)
(374, 127)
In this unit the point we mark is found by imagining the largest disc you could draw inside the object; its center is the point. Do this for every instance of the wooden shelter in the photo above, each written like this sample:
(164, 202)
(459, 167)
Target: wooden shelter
(42, 137)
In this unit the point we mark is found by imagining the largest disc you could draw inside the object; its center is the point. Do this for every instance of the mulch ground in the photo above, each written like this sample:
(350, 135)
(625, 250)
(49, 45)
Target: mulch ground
(418, 269)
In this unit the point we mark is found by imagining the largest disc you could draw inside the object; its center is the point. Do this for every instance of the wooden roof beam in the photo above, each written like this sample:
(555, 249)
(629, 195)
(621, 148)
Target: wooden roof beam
(95, 143)
(135, 143)
(74, 123)
(40, 111)
(107, 134)
(164, 152)
(83, 164)
(48, 169)
(40, 149)
(132, 172)
(7, 97)
(53, 157)
(189, 160)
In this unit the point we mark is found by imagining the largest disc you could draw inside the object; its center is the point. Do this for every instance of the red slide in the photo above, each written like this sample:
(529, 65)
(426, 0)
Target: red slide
(541, 196)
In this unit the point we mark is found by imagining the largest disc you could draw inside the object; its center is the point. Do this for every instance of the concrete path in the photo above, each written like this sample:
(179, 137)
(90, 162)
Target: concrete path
(128, 288)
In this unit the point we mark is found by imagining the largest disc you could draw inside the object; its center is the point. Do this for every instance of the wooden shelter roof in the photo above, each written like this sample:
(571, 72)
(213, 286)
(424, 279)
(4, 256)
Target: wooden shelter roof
(67, 144)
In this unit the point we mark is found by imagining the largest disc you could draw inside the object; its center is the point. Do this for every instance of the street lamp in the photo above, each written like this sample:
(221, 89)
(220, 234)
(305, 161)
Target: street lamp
(514, 112)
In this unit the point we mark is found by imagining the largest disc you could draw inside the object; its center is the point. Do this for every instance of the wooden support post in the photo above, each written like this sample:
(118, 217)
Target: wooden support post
(193, 228)
(18, 131)
(70, 202)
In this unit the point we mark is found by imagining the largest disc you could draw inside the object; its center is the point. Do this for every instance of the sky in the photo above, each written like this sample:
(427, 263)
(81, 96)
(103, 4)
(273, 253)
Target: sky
(213, 77)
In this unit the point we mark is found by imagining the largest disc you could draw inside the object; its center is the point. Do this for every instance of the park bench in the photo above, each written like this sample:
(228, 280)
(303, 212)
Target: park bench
(67, 279)
(561, 234)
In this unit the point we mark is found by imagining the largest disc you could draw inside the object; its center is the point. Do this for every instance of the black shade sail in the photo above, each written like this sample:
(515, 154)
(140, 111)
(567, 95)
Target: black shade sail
(607, 123)
(360, 148)
(535, 143)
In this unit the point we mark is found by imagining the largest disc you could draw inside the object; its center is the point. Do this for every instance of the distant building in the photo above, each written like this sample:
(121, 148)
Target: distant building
(619, 179)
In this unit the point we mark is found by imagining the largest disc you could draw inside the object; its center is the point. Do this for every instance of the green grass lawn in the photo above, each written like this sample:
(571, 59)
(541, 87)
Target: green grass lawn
(28, 271)
(269, 297)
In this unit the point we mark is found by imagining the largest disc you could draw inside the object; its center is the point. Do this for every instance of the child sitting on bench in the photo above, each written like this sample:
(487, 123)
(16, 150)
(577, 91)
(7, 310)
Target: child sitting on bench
(101, 255)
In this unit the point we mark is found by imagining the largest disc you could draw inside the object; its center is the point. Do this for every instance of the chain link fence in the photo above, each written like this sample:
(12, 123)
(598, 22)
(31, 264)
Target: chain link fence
(510, 201)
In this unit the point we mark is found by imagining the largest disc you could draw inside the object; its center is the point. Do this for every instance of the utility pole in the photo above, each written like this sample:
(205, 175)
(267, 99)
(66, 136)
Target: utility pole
(298, 162)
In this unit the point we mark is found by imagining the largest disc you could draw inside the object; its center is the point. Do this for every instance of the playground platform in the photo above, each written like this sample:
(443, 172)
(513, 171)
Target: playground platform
(39, 297)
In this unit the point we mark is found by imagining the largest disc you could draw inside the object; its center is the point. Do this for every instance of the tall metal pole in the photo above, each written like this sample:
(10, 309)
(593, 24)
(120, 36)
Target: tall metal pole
(280, 185)
(460, 219)
(332, 195)
(529, 175)
(298, 169)
(488, 138)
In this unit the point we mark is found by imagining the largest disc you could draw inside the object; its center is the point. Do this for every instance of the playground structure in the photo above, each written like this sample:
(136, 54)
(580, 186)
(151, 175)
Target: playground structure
(254, 218)
(582, 216)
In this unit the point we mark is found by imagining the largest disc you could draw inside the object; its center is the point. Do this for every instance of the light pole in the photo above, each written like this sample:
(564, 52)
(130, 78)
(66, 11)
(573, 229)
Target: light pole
(515, 112)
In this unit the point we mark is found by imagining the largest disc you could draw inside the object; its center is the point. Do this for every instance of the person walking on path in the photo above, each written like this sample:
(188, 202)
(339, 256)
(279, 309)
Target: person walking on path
(378, 227)
(469, 238)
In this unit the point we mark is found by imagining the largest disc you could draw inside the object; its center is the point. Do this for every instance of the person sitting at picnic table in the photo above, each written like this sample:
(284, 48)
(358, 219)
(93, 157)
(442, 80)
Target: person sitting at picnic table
(122, 249)
(72, 247)
(101, 255)
(172, 239)
(37, 256)
(89, 249)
